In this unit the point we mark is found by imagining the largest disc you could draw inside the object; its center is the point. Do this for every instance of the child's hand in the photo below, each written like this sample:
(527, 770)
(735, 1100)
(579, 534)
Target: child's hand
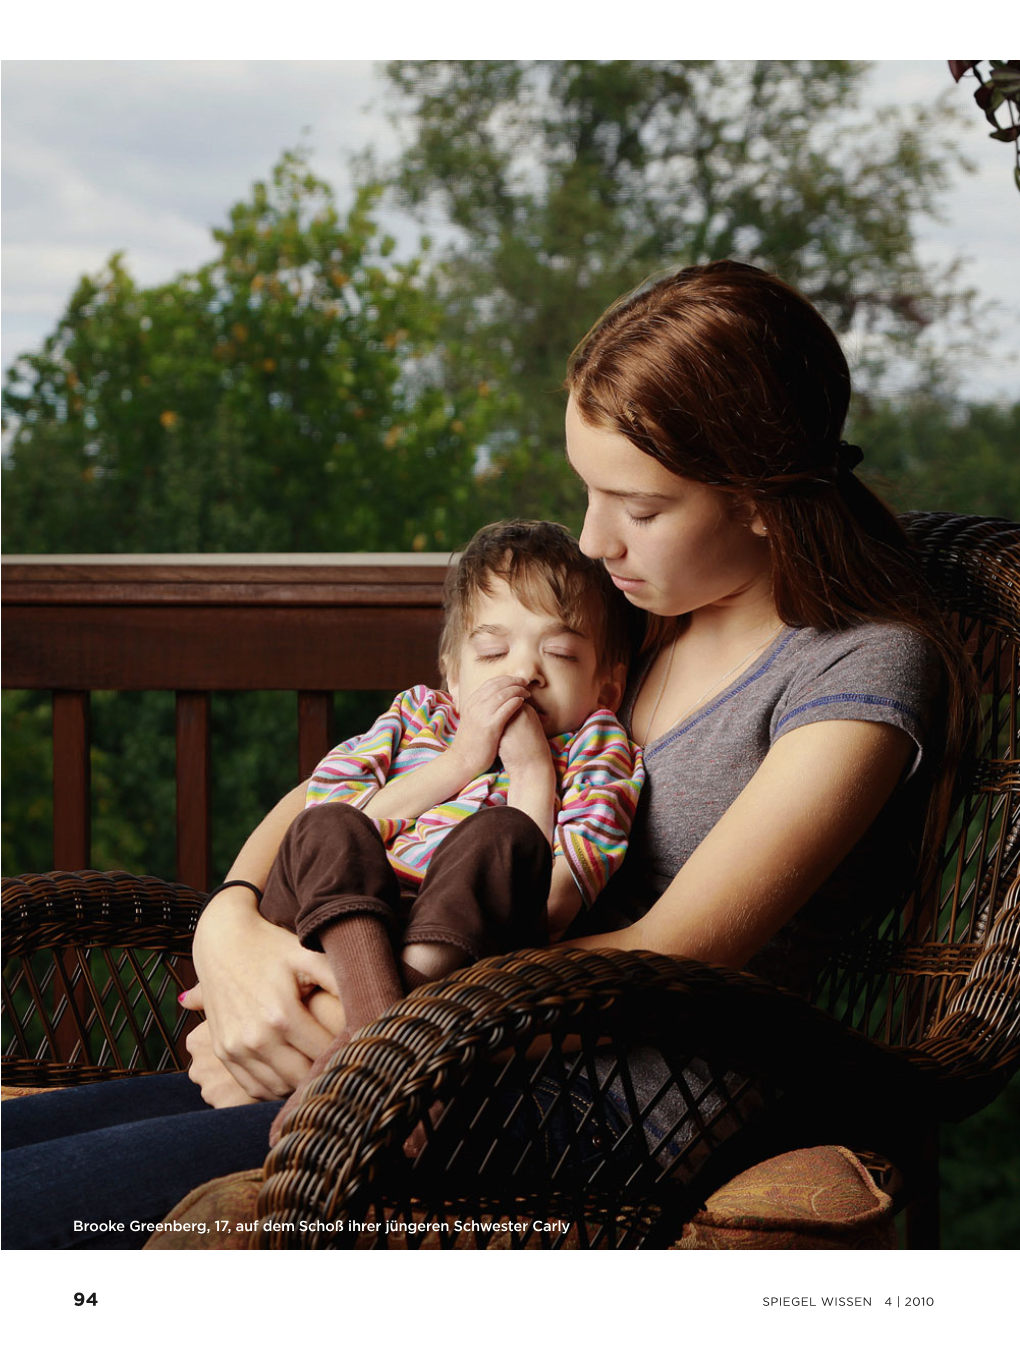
(528, 761)
(523, 744)
(483, 718)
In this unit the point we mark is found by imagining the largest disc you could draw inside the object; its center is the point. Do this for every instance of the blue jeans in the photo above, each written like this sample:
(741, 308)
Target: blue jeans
(127, 1151)
(116, 1152)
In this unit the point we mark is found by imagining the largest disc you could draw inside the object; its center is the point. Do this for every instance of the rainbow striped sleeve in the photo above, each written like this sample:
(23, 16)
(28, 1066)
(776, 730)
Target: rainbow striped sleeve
(352, 772)
(600, 784)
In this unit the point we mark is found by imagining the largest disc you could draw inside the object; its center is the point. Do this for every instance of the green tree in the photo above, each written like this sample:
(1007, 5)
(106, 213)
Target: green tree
(282, 397)
(933, 453)
(258, 403)
(570, 181)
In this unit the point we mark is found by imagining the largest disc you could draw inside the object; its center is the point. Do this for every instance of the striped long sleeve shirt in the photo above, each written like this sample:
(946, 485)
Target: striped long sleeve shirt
(599, 775)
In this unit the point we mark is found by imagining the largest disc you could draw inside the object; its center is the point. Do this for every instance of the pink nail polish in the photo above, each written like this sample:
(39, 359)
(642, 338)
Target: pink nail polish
(181, 997)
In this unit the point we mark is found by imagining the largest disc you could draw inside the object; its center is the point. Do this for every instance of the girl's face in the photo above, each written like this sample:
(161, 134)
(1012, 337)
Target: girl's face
(672, 545)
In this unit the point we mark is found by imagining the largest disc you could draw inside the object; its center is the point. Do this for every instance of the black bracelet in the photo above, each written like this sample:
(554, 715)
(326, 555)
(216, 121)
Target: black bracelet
(233, 884)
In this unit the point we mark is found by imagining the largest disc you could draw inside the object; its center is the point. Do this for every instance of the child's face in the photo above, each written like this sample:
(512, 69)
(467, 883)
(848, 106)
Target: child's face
(560, 664)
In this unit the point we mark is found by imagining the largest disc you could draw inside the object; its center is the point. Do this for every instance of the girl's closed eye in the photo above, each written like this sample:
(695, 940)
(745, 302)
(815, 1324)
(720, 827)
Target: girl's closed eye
(489, 655)
(563, 654)
(641, 518)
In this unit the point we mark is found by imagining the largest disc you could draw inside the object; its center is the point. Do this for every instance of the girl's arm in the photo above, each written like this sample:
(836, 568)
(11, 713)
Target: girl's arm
(815, 795)
(254, 976)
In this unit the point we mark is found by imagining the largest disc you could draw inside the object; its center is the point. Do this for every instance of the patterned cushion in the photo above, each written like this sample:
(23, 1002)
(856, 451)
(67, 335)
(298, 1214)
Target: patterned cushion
(229, 1199)
(23, 1091)
(822, 1198)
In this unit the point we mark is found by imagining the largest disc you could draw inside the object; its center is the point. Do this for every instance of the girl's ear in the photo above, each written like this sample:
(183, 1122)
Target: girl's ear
(746, 512)
(611, 691)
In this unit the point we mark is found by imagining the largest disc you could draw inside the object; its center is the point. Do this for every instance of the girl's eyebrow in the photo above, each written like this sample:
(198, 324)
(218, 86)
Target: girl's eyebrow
(623, 495)
(635, 495)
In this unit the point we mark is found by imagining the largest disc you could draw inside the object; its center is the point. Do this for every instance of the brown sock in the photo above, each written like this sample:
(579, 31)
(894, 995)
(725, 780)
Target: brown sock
(413, 977)
(360, 954)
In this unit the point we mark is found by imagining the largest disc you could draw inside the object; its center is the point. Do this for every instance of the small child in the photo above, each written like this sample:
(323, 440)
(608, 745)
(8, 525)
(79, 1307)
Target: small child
(401, 867)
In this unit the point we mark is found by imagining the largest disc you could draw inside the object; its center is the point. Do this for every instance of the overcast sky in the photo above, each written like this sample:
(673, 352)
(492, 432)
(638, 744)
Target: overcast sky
(147, 156)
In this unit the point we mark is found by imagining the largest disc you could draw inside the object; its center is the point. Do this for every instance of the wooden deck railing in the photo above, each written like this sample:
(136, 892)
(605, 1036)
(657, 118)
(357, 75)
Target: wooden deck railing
(309, 623)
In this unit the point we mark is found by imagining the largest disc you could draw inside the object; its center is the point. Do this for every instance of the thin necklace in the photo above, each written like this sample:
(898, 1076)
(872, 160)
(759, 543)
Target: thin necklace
(708, 691)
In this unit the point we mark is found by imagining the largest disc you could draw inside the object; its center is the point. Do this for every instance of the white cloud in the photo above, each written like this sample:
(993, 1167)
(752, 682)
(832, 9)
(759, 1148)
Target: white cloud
(146, 157)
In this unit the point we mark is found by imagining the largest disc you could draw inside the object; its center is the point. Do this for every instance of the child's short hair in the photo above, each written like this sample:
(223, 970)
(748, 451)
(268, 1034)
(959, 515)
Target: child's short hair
(546, 569)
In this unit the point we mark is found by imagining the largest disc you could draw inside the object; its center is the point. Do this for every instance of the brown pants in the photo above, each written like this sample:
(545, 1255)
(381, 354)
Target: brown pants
(485, 891)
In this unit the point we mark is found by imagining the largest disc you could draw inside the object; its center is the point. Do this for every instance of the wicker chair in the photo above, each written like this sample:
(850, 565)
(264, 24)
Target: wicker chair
(916, 1020)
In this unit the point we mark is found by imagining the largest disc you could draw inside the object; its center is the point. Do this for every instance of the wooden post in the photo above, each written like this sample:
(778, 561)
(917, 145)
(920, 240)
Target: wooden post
(194, 853)
(315, 730)
(72, 782)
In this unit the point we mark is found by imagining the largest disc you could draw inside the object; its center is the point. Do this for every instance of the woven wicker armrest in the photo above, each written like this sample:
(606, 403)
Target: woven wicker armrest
(439, 1059)
(62, 909)
(93, 964)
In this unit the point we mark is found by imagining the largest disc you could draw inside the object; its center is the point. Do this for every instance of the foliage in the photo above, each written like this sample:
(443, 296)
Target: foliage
(253, 404)
(980, 1177)
(27, 783)
(931, 453)
(571, 181)
(254, 762)
(1000, 90)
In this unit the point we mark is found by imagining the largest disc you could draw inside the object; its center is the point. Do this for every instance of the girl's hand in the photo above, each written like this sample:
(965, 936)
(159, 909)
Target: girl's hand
(315, 1070)
(483, 718)
(255, 978)
(218, 1086)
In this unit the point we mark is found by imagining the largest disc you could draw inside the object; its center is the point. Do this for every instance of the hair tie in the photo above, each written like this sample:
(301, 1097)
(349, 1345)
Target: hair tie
(233, 884)
(848, 456)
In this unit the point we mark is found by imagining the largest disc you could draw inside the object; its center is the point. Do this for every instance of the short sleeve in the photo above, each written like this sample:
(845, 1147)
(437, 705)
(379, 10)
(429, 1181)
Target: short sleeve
(878, 672)
(352, 772)
(601, 782)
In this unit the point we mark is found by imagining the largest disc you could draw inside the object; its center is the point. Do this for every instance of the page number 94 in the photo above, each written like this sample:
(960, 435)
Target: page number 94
(80, 1298)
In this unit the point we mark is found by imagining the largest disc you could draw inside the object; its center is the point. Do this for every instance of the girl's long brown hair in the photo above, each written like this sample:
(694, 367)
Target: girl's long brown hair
(727, 375)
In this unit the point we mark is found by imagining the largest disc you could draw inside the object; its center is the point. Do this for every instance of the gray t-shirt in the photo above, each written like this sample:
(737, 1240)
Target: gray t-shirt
(874, 671)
